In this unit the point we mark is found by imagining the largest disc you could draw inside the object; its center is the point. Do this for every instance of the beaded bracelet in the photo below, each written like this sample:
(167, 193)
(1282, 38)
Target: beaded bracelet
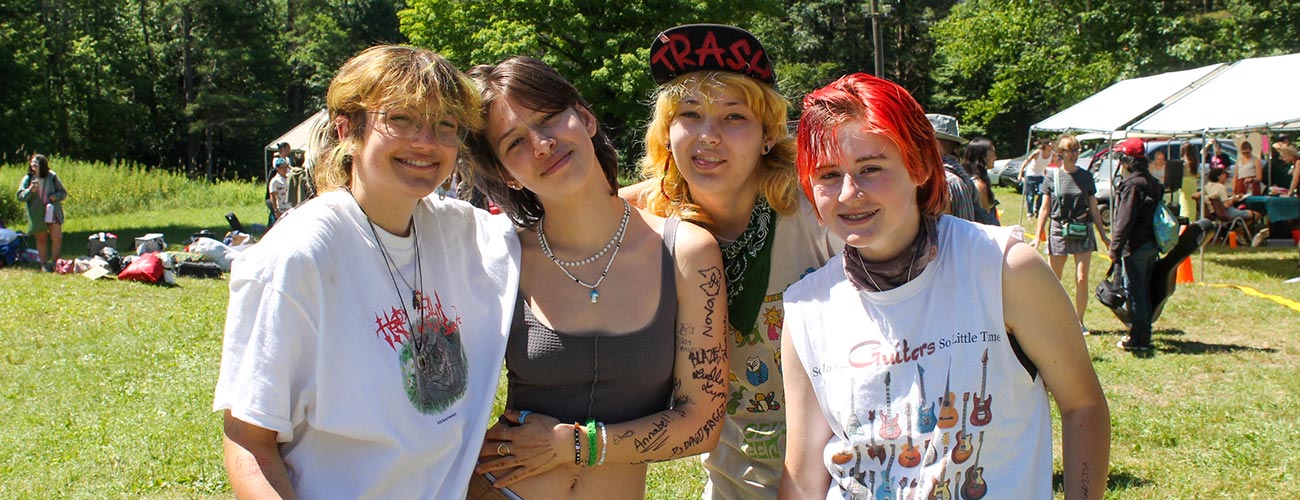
(577, 444)
(604, 443)
(591, 440)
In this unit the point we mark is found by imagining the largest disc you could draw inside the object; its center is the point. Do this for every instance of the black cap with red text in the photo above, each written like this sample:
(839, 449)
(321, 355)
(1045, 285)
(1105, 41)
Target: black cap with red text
(704, 47)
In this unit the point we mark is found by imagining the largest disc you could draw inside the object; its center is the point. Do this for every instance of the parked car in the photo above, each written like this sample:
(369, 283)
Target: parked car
(1005, 172)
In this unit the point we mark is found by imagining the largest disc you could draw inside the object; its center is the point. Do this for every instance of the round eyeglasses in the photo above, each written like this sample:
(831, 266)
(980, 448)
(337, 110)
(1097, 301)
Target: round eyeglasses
(406, 123)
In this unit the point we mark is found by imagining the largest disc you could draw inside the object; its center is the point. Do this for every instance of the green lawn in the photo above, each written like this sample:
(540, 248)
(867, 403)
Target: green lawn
(106, 387)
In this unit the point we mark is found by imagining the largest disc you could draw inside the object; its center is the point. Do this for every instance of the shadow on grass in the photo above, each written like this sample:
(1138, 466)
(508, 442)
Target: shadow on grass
(1267, 264)
(1116, 481)
(1194, 347)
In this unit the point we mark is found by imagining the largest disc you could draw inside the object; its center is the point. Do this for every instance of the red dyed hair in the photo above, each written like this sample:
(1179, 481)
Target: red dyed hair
(882, 107)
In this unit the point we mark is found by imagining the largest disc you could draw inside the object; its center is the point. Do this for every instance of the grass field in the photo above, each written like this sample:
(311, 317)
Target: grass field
(106, 386)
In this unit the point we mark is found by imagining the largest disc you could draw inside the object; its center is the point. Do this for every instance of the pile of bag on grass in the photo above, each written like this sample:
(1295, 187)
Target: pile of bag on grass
(204, 256)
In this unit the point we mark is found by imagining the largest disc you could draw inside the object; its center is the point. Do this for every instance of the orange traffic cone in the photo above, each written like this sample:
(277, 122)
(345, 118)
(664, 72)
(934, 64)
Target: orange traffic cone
(1184, 274)
(1232, 239)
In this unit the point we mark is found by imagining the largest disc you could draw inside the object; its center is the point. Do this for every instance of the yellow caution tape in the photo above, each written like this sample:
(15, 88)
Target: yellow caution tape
(1295, 306)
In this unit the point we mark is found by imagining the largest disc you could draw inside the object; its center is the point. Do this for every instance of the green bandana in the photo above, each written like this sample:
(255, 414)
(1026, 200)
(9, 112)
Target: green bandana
(747, 262)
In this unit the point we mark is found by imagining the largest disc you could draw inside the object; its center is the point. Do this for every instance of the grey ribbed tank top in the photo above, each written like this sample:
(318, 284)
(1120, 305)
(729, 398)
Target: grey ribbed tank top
(609, 378)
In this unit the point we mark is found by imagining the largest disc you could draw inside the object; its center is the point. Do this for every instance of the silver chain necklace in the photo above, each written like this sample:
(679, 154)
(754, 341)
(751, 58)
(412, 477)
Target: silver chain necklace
(873, 280)
(616, 241)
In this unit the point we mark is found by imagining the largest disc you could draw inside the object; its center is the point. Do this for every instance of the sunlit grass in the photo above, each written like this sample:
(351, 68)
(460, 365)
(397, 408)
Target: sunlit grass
(106, 387)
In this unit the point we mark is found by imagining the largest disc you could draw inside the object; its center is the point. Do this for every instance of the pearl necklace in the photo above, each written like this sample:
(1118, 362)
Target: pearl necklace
(616, 241)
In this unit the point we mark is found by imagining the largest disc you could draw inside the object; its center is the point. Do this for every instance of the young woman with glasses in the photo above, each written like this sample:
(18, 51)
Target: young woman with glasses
(1070, 204)
(363, 340)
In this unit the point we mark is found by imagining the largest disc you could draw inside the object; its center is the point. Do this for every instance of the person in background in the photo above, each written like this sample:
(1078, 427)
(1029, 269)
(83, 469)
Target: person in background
(1158, 165)
(1070, 203)
(357, 363)
(301, 186)
(979, 156)
(863, 342)
(44, 193)
(1246, 179)
(963, 195)
(1279, 171)
(1219, 159)
(1031, 175)
(1189, 194)
(1216, 189)
(278, 190)
(718, 153)
(611, 345)
(285, 151)
(1133, 240)
(1290, 157)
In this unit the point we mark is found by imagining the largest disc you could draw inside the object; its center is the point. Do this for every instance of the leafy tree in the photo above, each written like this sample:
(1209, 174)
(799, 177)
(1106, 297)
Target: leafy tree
(1005, 65)
(603, 48)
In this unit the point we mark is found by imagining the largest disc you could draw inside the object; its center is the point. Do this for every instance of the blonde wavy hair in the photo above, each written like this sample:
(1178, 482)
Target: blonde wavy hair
(776, 174)
(382, 77)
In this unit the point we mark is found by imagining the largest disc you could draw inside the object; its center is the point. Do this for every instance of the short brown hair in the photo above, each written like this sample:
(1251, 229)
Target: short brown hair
(539, 87)
(387, 75)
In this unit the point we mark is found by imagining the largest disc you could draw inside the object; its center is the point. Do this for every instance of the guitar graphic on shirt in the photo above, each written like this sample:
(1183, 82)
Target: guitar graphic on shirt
(947, 414)
(941, 490)
(982, 414)
(889, 429)
(962, 452)
(886, 489)
(850, 451)
(874, 450)
(854, 423)
(975, 487)
(925, 419)
(931, 452)
(911, 455)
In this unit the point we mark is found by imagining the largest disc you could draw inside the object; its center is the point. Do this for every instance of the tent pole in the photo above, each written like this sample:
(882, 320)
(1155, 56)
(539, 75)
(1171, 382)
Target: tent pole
(1024, 194)
(1201, 173)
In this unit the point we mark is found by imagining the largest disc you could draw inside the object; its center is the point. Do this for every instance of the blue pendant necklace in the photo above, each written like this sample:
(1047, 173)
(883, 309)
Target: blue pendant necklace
(616, 240)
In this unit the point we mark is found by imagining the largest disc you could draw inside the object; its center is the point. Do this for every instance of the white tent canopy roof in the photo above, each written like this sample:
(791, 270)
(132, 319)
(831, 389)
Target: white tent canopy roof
(1121, 103)
(300, 136)
(1252, 94)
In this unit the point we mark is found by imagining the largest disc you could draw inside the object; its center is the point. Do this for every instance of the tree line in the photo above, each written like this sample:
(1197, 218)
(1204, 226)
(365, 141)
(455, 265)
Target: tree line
(200, 86)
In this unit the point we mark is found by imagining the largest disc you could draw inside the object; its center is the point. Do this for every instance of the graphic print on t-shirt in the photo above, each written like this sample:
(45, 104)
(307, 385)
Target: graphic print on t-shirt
(434, 371)
(903, 448)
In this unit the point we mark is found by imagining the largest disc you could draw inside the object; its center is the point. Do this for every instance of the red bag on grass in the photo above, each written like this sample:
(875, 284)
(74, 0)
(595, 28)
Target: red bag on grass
(147, 268)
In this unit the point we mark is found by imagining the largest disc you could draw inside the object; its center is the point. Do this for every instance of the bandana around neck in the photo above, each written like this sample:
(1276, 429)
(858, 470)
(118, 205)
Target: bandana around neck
(747, 262)
(895, 272)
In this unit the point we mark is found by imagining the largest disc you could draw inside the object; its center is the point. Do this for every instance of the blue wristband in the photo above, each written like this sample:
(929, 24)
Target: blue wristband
(523, 415)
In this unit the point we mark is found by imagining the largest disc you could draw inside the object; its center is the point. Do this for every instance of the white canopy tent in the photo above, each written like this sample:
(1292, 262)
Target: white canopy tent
(1120, 104)
(1250, 94)
(306, 136)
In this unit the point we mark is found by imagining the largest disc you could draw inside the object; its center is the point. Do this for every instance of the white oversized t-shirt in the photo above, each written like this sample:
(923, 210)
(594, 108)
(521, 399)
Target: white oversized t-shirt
(318, 349)
(923, 391)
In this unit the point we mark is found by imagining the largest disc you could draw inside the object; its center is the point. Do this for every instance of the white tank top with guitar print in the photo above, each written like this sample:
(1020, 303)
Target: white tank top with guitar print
(921, 385)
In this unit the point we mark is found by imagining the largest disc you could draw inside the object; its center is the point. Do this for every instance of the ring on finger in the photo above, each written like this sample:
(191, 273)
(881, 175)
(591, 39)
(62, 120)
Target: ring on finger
(503, 449)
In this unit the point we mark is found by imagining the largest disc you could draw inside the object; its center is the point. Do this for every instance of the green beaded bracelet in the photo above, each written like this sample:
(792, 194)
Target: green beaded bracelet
(591, 442)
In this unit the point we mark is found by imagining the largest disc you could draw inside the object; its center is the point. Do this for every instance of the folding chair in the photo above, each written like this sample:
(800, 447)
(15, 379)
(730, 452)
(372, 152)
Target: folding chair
(1225, 225)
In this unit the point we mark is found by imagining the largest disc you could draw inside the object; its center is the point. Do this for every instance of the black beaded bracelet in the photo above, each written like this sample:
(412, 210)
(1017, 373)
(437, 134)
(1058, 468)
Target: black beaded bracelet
(577, 444)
